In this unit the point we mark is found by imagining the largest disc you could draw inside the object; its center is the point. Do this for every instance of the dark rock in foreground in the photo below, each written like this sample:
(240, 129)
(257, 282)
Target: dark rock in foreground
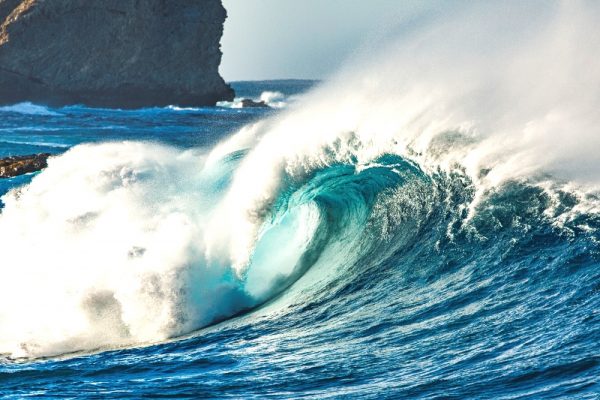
(19, 165)
(112, 53)
(249, 103)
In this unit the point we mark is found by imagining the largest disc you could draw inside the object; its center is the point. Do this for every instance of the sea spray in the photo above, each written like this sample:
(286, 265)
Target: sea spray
(106, 247)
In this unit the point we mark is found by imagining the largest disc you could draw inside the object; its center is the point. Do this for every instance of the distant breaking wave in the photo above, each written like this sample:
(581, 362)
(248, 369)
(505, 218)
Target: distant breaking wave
(29, 108)
(271, 99)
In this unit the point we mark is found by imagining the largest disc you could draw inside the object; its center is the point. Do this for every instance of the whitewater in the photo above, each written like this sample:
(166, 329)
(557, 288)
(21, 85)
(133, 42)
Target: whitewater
(423, 224)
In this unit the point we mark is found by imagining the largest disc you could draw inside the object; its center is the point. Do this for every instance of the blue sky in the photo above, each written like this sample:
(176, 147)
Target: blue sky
(273, 39)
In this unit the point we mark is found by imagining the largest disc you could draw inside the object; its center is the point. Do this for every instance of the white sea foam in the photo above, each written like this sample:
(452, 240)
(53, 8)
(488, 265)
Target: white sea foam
(177, 108)
(273, 99)
(107, 247)
(270, 98)
(36, 143)
(29, 109)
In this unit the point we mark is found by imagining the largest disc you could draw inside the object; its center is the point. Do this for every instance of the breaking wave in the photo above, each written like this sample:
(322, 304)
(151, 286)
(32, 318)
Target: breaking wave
(269, 98)
(29, 109)
(441, 161)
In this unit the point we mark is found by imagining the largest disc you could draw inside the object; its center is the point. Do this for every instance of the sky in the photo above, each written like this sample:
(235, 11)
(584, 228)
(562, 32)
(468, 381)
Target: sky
(303, 39)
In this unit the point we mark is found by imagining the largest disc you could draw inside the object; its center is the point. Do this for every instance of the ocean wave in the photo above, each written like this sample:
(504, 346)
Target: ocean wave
(412, 173)
(188, 252)
(103, 280)
(29, 109)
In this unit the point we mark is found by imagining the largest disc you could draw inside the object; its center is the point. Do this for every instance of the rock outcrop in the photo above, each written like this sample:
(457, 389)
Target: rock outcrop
(249, 103)
(112, 53)
(19, 165)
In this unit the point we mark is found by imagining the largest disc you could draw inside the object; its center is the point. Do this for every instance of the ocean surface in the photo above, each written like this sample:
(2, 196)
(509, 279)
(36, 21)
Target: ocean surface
(423, 225)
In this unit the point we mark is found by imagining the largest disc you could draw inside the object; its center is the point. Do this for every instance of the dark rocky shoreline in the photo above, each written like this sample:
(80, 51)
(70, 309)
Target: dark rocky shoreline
(112, 53)
(20, 165)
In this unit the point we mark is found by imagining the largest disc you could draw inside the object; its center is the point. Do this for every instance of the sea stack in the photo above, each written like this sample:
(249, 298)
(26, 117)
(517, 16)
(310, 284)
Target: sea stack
(112, 53)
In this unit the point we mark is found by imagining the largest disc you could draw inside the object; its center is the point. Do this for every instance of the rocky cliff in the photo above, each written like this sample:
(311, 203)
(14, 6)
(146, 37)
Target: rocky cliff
(112, 53)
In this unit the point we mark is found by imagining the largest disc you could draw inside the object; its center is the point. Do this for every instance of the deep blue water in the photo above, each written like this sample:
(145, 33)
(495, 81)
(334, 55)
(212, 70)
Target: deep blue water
(398, 293)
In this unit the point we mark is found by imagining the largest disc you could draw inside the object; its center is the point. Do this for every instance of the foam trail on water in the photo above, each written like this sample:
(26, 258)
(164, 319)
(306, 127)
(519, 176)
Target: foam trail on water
(36, 143)
(271, 99)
